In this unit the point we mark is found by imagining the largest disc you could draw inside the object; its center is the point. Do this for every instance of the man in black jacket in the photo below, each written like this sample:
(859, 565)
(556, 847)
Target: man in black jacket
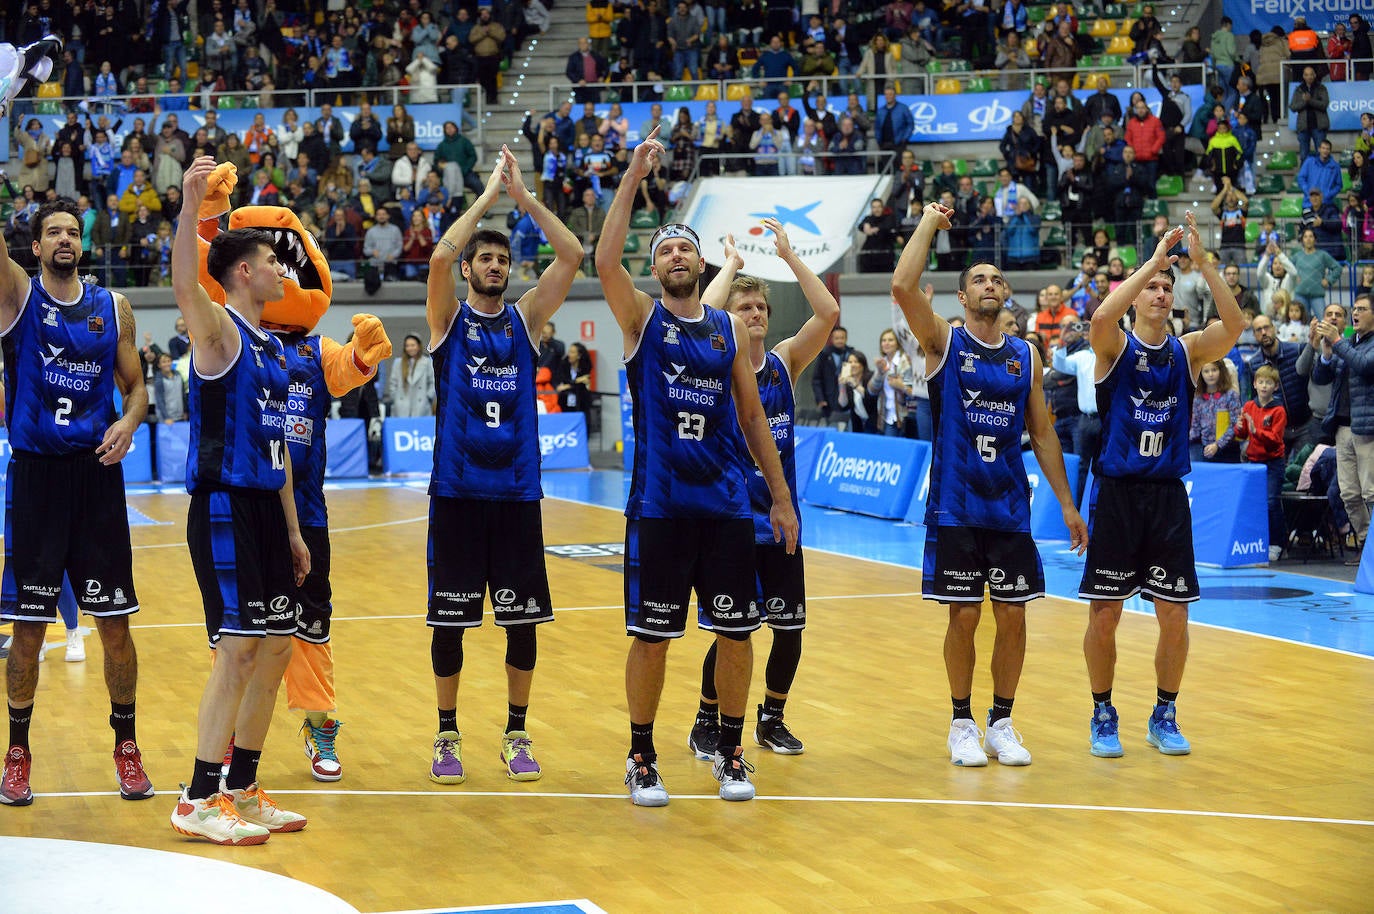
(825, 380)
(1075, 200)
(586, 70)
(742, 126)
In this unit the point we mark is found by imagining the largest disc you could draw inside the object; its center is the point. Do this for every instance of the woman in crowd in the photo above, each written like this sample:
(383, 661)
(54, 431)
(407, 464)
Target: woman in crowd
(416, 247)
(857, 403)
(1275, 272)
(1317, 271)
(410, 384)
(1021, 148)
(572, 378)
(888, 384)
(400, 130)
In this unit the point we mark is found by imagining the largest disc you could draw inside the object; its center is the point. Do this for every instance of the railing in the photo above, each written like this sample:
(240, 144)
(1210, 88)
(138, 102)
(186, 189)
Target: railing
(728, 89)
(1290, 72)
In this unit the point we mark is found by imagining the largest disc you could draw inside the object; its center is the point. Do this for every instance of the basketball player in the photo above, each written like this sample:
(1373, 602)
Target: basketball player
(984, 391)
(242, 529)
(780, 574)
(67, 346)
(689, 524)
(1145, 380)
(486, 531)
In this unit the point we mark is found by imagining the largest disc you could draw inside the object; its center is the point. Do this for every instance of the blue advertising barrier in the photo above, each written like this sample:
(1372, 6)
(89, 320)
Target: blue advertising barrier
(1364, 577)
(172, 443)
(916, 511)
(805, 445)
(1348, 101)
(1321, 15)
(1047, 521)
(563, 441)
(138, 463)
(1230, 523)
(408, 444)
(866, 474)
(345, 442)
(627, 425)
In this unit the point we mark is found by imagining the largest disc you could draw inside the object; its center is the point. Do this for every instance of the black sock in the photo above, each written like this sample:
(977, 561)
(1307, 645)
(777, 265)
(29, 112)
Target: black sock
(122, 720)
(642, 740)
(708, 709)
(243, 768)
(963, 708)
(772, 707)
(1102, 698)
(1001, 707)
(1163, 698)
(448, 720)
(205, 781)
(515, 717)
(731, 734)
(19, 725)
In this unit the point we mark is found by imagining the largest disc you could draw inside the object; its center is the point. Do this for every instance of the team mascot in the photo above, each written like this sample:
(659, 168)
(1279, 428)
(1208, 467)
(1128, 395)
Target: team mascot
(320, 369)
(21, 67)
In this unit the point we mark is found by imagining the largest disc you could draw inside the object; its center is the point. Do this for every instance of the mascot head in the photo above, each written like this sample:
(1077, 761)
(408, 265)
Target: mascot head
(309, 287)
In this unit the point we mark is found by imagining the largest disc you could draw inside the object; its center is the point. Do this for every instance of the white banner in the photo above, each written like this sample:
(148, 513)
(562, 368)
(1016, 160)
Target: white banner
(818, 216)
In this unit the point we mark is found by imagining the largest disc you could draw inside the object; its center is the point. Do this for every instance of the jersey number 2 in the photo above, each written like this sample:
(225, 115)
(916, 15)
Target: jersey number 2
(64, 409)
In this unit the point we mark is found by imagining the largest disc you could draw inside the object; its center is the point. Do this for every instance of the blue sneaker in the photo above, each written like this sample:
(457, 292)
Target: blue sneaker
(1163, 733)
(1105, 740)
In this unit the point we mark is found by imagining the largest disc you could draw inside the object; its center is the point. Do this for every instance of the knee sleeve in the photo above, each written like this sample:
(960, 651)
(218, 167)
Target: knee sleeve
(446, 650)
(708, 674)
(521, 647)
(783, 660)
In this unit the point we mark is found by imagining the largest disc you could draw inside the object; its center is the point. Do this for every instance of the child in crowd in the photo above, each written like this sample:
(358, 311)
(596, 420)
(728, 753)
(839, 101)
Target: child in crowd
(1293, 328)
(1269, 231)
(1262, 424)
(1216, 411)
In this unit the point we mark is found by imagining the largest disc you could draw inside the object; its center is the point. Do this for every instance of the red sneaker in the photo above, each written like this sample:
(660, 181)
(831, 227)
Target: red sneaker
(133, 782)
(14, 784)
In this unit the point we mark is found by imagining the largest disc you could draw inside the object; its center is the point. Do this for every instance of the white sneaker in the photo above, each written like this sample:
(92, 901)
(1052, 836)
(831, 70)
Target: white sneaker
(76, 646)
(646, 787)
(255, 807)
(215, 819)
(1275, 552)
(1004, 742)
(964, 751)
(733, 774)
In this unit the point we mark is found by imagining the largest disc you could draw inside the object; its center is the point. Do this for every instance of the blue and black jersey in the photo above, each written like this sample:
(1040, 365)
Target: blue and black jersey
(1146, 405)
(780, 406)
(307, 410)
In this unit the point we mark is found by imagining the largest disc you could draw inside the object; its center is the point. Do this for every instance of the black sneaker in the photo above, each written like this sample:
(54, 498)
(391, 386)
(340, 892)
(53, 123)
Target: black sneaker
(772, 733)
(705, 737)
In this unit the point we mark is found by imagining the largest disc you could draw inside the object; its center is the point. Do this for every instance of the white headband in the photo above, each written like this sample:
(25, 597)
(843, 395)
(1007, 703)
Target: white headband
(673, 230)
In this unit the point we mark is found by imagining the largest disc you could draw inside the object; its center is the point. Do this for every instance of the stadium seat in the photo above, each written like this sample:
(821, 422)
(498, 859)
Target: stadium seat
(1079, 252)
(935, 66)
(1127, 254)
(1111, 60)
(1290, 208)
(1035, 15)
(1031, 47)
(1252, 230)
(1082, 80)
(985, 168)
(979, 84)
(736, 91)
(1103, 28)
(1345, 181)
(1125, 27)
(227, 101)
(631, 243)
(647, 269)
(1260, 207)
(1290, 230)
(708, 92)
(643, 219)
(961, 167)
(1169, 186)
(987, 188)
(1120, 45)
(948, 86)
(1285, 160)
(679, 94)
(1051, 211)
(192, 70)
(1113, 11)
(1269, 184)
(958, 65)
(1056, 237)
(1155, 208)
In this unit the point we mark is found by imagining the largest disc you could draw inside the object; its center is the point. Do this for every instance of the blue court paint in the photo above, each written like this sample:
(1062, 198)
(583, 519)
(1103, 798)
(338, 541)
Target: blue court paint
(138, 519)
(1304, 608)
(553, 907)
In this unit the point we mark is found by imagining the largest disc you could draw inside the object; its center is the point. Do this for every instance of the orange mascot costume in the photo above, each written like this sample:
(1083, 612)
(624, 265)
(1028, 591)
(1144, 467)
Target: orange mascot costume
(320, 369)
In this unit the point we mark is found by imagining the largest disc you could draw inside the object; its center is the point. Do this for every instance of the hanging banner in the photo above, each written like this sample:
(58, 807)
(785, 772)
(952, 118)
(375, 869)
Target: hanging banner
(1321, 15)
(819, 218)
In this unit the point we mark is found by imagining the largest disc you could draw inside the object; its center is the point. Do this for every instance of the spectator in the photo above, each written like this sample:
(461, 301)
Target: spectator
(423, 74)
(1127, 185)
(1310, 100)
(893, 123)
(785, 117)
(1223, 157)
(774, 66)
(1052, 313)
(770, 146)
(855, 404)
(684, 38)
(1345, 364)
(400, 131)
(1276, 272)
(1360, 51)
(817, 64)
(829, 367)
(1101, 102)
(657, 119)
(1262, 425)
(889, 384)
(587, 220)
(572, 379)
(1247, 300)
(139, 193)
(1191, 53)
(722, 60)
(487, 38)
(382, 245)
(586, 70)
(879, 63)
(1192, 297)
(614, 128)
(1230, 207)
(1216, 415)
(1321, 172)
(1269, 74)
(1076, 187)
(1324, 218)
(710, 135)
(1020, 147)
(1224, 54)
(1357, 224)
(180, 342)
(847, 149)
(410, 382)
(600, 17)
(1011, 59)
(1022, 234)
(341, 243)
(1293, 328)
(880, 234)
(1317, 271)
(1010, 192)
(1059, 51)
(1145, 134)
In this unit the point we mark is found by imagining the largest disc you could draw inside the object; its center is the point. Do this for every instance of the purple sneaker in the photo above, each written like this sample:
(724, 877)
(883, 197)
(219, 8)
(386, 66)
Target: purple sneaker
(518, 755)
(447, 767)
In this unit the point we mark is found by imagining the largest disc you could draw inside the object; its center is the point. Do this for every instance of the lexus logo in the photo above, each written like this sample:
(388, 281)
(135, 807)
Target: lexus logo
(1156, 573)
(92, 587)
(504, 597)
(996, 575)
(776, 604)
(281, 602)
(723, 602)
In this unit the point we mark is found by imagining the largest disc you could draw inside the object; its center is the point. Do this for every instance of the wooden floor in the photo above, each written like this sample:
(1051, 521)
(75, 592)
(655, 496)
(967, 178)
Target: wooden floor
(1274, 811)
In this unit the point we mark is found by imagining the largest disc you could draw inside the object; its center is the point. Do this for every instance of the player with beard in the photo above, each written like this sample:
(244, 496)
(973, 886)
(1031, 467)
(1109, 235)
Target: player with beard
(781, 574)
(67, 345)
(688, 520)
(1145, 382)
(485, 527)
(984, 391)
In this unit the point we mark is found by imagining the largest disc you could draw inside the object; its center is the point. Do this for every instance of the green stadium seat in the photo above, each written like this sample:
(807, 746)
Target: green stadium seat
(546, 250)
(1079, 252)
(797, 90)
(1056, 237)
(679, 94)
(1051, 211)
(927, 167)
(987, 188)
(1269, 184)
(961, 167)
(1345, 157)
(1111, 60)
(632, 244)
(643, 219)
(979, 84)
(1260, 207)
(1169, 186)
(647, 269)
(227, 101)
(1128, 256)
(959, 65)
(1036, 14)
(1345, 181)
(1154, 208)
(1285, 160)
(1290, 230)
(985, 168)
(935, 66)
(1290, 208)
(1113, 11)
(1252, 230)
